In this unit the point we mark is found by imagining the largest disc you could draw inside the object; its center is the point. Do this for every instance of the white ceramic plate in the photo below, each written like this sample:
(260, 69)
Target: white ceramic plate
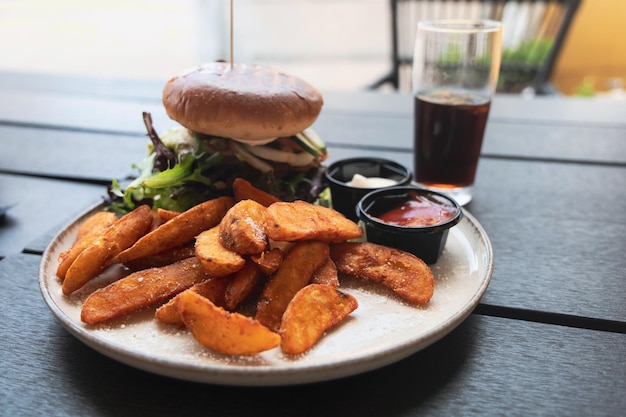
(381, 331)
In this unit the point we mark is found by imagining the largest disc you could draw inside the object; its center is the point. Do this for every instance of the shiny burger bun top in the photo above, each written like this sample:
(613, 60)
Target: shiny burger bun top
(249, 103)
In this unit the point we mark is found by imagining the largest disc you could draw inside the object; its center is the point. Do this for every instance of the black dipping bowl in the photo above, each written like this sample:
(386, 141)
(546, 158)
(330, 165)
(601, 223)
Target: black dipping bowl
(425, 242)
(345, 197)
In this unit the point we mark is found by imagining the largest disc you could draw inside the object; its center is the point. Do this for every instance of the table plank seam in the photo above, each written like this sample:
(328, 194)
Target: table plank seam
(27, 251)
(557, 123)
(333, 145)
(554, 160)
(82, 180)
(559, 319)
(65, 128)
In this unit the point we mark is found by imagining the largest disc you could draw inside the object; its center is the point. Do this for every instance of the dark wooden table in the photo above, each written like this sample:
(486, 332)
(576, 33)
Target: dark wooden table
(548, 338)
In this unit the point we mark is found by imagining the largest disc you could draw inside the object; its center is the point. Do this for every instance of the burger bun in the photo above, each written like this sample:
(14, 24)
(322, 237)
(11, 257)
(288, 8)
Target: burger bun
(250, 103)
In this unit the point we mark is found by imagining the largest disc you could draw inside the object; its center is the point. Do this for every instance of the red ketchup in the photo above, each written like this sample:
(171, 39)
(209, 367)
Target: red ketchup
(419, 210)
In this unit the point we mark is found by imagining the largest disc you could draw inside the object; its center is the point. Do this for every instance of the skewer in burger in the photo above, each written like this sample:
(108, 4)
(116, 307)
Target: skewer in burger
(238, 120)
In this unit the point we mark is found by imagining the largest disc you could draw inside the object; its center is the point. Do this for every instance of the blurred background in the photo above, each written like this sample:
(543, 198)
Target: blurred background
(334, 44)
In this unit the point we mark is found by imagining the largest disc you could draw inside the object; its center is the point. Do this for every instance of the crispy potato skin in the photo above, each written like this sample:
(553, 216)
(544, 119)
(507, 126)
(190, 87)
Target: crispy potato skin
(214, 257)
(213, 288)
(100, 254)
(242, 283)
(326, 274)
(88, 232)
(222, 331)
(402, 272)
(166, 215)
(294, 273)
(313, 310)
(268, 261)
(243, 190)
(178, 230)
(300, 220)
(141, 289)
(243, 228)
(161, 259)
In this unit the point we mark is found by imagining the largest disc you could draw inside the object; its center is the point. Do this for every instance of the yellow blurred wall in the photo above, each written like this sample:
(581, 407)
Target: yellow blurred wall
(595, 46)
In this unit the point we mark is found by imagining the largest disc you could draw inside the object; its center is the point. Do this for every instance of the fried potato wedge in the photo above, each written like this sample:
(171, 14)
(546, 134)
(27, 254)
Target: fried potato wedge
(100, 254)
(222, 331)
(141, 289)
(402, 272)
(178, 230)
(88, 232)
(300, 220)
(243, 228)
(243, 190)
(326, 274)
(213, 288)
(313, 310)
(166, 215)
(294, 273)
(161, 259)
(268, 261)
(242, 283)
(98, 222)
(214, 257)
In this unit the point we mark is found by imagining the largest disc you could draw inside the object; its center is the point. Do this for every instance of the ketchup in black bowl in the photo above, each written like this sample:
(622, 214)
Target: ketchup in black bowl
(409, 218)
(416, 210)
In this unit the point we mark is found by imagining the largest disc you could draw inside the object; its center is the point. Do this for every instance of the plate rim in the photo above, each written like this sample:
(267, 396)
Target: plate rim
(265, 375)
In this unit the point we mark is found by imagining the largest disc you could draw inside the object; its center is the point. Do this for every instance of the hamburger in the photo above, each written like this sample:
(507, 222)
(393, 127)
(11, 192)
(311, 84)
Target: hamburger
(235, 120)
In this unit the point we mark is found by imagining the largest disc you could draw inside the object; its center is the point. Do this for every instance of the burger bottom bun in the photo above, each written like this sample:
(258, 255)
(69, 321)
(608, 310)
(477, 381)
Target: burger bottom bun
(250, 103)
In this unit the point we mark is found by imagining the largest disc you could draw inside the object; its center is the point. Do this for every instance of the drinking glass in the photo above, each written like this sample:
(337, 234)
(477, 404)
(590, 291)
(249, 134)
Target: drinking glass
(455, 74)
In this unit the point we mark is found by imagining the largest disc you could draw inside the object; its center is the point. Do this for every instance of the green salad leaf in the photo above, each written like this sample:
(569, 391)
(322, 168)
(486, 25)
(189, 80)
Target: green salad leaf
(184, 169)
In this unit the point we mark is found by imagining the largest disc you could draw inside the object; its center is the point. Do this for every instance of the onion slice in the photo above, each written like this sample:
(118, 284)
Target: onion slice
(238, 149)
(276, 155)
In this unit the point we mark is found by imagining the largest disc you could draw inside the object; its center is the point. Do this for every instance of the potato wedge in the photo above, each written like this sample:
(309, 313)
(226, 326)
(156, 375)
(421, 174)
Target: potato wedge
(294, 273)
(178, 230)
(268, 261)
(99, 221)
(243, 190)
(88, 232)
(313, 310)
(300, 220)
(141, 289)
(326, 274)
(100, 254)
(402, 272)
(213, 288)
(242, 283)
(243, 228)
(161, 259)
(222, 331)
(166, 215)
(214, 257)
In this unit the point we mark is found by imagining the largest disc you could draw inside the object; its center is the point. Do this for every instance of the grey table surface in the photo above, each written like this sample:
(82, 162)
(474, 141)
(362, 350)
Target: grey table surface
(548, 337)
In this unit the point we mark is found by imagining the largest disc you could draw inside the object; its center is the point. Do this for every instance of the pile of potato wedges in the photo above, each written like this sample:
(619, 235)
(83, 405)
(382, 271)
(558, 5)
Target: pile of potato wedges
(244, 274)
